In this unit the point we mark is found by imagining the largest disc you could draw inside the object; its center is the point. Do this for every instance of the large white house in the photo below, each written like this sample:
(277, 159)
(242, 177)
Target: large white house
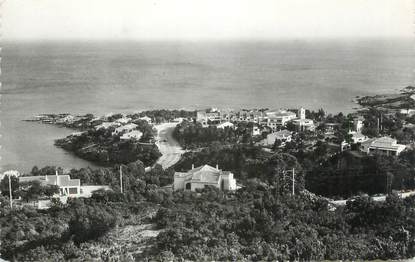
(279, 118)
(68, 187)
(203, 176)
(383, 145)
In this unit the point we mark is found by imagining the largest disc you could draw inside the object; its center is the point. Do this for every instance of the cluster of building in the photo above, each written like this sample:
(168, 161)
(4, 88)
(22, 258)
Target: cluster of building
(274, 119)
(381, 145)
(124, 127)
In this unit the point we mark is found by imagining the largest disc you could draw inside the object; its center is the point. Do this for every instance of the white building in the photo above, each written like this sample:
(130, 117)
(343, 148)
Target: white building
(146, 118)
(67, 187)
(125, 128)
(279, 118)
(66, 119)
(283, 135)
(302, 123)
(135, 134)
(384, 145)
(358, 137)
(225, 124)
(358, 124)
(106, 125)
(123, 120)
(211, 115)
(256, 131)
(409, 112)
(203, 176)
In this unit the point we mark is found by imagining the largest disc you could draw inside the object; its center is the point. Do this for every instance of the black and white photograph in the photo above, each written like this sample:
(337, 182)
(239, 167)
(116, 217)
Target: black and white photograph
(207, 130)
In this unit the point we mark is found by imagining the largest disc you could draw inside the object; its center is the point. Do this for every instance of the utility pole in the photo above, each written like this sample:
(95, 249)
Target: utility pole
(293, 180)
(378, 126)
(10, 192)
(283, 182)
(121, 179)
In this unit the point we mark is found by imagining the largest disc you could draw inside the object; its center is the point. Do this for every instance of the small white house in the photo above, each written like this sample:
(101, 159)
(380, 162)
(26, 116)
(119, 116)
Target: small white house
(123, 120)
(283, 135)
(146, 118)
(256, 131)
(225, 124)
(358, 137)
(125, 128)
(135, 134)
(106, 125)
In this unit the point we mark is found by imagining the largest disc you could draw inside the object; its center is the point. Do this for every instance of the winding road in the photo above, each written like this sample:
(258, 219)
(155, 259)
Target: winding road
(168, 146)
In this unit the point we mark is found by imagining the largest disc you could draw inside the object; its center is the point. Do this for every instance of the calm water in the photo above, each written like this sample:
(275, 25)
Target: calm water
(124, 77)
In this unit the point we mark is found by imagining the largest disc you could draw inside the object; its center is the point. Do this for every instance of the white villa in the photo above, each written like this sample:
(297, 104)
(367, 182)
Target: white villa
(67, 187)
(225, 124)
(279, 118)
(203, 176)
(125, 128)
(135, 134)
(384, 145)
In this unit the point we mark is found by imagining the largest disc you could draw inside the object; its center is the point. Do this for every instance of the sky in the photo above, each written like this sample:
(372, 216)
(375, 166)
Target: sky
(205, 19)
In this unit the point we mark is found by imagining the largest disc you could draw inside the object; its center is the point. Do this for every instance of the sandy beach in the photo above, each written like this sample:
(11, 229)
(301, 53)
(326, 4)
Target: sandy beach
(168, 146)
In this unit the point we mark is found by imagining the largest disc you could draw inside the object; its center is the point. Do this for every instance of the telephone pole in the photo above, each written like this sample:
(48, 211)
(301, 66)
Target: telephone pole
(10, 192)
(293, 182)
(121, 179)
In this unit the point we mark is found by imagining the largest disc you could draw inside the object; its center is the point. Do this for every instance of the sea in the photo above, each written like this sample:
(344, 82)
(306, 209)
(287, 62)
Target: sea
(126, 76)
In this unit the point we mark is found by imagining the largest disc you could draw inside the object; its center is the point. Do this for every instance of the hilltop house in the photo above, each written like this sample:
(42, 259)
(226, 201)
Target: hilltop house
(203, 176)
(384, 145)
